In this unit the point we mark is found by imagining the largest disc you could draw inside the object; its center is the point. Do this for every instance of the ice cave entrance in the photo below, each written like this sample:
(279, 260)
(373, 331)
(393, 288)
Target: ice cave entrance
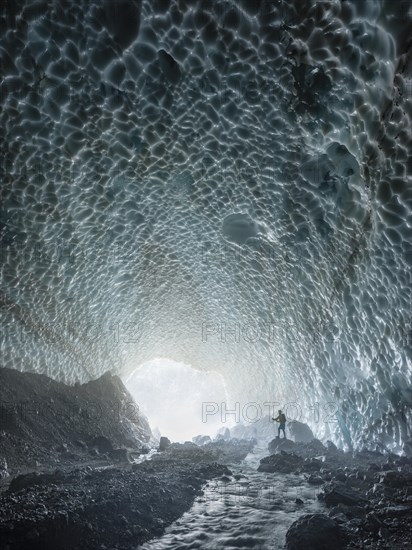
(174, 397)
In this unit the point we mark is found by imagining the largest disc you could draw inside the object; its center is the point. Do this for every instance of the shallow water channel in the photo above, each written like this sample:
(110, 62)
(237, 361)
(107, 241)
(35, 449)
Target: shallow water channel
(252, 510)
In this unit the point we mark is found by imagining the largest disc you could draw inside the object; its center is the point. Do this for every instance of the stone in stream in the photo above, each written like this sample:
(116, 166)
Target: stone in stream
(312, 465)
(315, 480)
(315, 532)
(283, 463)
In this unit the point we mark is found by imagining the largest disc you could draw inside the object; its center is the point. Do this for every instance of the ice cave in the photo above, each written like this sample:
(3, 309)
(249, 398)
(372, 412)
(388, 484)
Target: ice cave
(206, 235)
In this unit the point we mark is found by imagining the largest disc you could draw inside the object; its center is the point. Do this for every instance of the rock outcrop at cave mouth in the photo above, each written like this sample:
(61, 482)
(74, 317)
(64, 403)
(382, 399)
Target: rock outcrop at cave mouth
(47, 422)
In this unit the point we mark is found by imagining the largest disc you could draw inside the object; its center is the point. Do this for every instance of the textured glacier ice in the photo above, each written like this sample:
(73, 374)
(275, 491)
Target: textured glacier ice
(241, 166)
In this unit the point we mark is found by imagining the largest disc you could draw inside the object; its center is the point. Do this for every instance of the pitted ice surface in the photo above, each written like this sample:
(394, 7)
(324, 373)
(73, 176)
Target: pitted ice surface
(224, 184)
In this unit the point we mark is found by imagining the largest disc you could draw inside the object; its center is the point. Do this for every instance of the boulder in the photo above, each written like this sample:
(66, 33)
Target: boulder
(300, 432)
(315, 532)
(164, 443)
(312, 465)
(284, 463)
(277, 445)
(315, 448)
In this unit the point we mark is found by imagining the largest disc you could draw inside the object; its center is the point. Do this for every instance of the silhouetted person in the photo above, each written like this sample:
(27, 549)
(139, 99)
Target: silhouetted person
(281, 418)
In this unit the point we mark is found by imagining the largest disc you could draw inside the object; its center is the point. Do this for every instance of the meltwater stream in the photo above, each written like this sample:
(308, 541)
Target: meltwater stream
(252, 510)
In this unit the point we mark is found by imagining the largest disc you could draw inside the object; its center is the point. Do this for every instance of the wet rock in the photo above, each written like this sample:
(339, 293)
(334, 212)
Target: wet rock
(299, 501)
(164, 443)
(315, 480)
(338, 493)
(300, 432)
(315, 448)
(311, 465)
(277, 445)
(284, 463)
(315, 532)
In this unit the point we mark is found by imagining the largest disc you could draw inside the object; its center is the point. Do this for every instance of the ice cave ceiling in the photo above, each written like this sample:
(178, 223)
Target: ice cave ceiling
(224, 184)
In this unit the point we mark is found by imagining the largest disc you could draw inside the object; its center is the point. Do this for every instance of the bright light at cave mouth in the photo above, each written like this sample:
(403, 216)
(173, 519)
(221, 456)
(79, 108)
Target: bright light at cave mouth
(172, 395)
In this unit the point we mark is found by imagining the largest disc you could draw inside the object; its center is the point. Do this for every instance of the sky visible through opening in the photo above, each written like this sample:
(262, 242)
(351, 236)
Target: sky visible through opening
(173, 395)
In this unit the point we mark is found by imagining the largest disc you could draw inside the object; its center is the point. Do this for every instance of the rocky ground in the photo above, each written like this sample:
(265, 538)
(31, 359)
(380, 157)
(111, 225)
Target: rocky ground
(367, 496)
(109, 507)
(88, 508)
(73, 473)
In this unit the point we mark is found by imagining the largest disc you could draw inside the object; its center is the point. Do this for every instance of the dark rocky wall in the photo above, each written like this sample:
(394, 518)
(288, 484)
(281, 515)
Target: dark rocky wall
(43, 421)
